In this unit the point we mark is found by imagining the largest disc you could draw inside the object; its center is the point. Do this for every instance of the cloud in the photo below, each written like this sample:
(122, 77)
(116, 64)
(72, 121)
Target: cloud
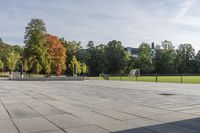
(185, 7)
(130, 21)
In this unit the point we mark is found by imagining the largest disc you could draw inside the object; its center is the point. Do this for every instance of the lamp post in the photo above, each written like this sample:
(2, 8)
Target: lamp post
(22, 76)
(75, 70)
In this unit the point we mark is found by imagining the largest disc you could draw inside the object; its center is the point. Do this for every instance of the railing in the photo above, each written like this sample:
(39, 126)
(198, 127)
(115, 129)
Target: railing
(166, 78)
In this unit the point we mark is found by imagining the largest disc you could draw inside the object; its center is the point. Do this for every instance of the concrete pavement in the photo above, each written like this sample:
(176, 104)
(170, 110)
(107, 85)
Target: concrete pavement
(98, 107)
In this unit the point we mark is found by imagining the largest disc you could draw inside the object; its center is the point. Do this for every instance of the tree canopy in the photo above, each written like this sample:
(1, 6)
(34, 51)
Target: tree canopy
(57, 52)
(44, 53)
(35, 51)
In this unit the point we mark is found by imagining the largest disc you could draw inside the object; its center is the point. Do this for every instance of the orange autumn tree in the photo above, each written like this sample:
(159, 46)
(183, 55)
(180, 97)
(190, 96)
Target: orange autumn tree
(57, 53)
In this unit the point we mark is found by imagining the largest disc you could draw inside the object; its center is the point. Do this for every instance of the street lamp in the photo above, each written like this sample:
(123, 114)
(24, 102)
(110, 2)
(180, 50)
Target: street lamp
(22, 76)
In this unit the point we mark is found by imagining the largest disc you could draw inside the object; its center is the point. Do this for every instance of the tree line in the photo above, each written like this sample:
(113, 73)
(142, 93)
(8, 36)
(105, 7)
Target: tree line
(49, 54)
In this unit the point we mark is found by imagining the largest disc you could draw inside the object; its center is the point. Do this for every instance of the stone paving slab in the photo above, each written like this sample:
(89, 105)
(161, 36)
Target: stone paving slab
(87, 129)
(57, 131)
(116, 114)
(35, 124)
(98, 107)
(66, 121)
(48, 110)
(20, 111)
(4, 115)
(6, 126)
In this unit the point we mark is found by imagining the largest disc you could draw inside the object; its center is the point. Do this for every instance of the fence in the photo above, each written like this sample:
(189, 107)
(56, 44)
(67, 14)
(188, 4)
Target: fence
(168, 78)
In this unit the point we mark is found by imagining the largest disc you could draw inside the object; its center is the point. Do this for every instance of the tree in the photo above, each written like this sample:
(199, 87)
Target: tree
(83, 68)
(1, 65)
(82, 55)
(96, 59)
(197, 62)
(185, 58)
(57, 53)
(165, 58)
(115, 57)
(144, 60)
(12, 58)
(72, 48)
(73, 63)
(90, 44)
(17, 49)
(4, 50)
(35, 49)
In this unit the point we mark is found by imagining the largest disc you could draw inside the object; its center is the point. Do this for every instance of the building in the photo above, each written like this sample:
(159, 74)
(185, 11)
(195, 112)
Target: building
(135, 51)
(132, 51)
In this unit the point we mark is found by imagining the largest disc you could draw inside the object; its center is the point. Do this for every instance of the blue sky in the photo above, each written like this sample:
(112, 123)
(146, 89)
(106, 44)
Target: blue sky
(130, 21)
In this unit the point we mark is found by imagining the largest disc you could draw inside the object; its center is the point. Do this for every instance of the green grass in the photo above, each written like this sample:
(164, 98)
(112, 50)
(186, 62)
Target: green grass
(94, 78)
(165, 79)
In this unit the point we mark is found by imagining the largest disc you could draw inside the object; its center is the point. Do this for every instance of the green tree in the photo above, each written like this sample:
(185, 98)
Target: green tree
(185, 58)
(96, 59)
(35, 50)
(165, 58)
(73, 63)
(18, 49)
(197, 62)
(72, 48)
(115, 57)
(12, 59)
(90, 44)
(1, 65)
(4, 50)
(144, 60)
(83, 68)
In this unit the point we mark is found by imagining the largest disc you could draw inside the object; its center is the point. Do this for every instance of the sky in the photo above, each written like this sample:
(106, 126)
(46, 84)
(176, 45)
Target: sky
(129, 21)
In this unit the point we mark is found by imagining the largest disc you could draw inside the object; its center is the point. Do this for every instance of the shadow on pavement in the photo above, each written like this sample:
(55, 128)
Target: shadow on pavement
(184, 126)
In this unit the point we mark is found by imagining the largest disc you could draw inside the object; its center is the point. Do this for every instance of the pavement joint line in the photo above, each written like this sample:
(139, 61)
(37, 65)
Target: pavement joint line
(138, 116)
(51, 106)
(11, 118)
(107, 116)
(47, 119)
(125, 101)
(89, 124)
(47, 131)
(60, 109)
(173, 110)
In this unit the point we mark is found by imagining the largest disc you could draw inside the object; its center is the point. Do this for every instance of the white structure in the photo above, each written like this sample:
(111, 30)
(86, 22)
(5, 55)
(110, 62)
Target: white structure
(135, 72)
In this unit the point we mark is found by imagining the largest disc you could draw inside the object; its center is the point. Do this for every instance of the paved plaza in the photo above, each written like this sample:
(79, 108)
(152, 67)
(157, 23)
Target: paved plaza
(98, 107)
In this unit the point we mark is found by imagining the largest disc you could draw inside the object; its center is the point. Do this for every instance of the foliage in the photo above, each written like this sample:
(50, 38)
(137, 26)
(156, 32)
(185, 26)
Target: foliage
(165, 58)
(185, 58)
(72, 48)
(57, 52)
(84, 69)
(96, 59)
(12, 58)
(5, 49)
(197, 62)
(115, 57)
(1, 65)
(73, 63)
(144, 60)
(35, 49)
(44, 53)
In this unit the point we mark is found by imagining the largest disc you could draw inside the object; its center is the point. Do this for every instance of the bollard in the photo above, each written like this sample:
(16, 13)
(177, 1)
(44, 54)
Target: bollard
(156, 77)
(181, 79)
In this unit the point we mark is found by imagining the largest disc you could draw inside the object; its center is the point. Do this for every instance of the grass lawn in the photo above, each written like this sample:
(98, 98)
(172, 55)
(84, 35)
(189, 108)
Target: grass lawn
(166, 79)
